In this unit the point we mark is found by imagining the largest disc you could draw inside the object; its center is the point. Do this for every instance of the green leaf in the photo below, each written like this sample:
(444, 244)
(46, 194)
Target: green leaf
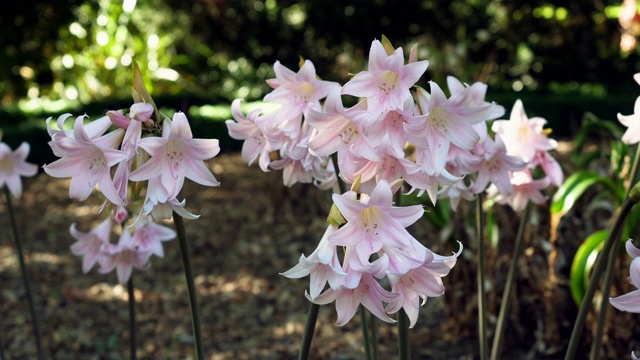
(583, 262)
(574, 186)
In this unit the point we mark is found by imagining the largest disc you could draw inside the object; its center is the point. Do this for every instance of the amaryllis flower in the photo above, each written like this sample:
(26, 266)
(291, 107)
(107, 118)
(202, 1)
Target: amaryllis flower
(94, 129)
(300, 89)
(496, 166)
(13, 165)
(124, 257)
(339, 130)
(632, 122)
(368, 293)
(89, 245)
(525, 189)
(449, 121)
(148, 237)
(174, 156)
(322, 265)
(630, 301)
(478, 91)
(388, 128)
(374, 221)
(419, 283)
(387, 81)
(549, 165)
(523, 136)
(88, 162)
(246, 128)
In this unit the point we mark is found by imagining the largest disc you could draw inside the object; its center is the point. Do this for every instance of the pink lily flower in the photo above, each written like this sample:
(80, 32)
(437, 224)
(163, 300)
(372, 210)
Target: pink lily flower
(148, 237)
(478, 91)
(525, 189)
(322, 265)
(13, 165)
(449, 121)
(88, 162)
(630, 301)
(523, 136)
(339, 130)
(374, 221)
(419, 283)
(389, 128)
(298, 89)
(124, 257)
(496, 166)
(392, 166)
(368, 293)
(549, 165)
(89, 245)
(632, 122)
(387, 82)
(246, 128)
(174, 156)
(94, 129)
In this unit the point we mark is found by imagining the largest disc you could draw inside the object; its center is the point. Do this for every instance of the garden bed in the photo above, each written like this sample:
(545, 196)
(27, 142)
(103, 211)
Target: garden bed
(253, 228)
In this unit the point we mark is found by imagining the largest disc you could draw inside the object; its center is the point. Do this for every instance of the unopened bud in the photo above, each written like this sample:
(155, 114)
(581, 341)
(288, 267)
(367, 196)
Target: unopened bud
(335, 218)
(355, 187)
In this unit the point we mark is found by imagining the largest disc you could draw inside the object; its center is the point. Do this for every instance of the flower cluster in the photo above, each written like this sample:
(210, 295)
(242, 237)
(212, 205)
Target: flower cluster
(145, 148)
(527, 140)
(370, 227)
(395, 133)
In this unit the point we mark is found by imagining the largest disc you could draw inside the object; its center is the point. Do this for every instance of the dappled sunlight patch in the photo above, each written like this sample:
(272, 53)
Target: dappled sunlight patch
(230, 287)
(103, 292)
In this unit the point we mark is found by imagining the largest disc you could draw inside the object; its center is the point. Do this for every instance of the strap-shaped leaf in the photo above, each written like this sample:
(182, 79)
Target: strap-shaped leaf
(571, 190)
(583, 262)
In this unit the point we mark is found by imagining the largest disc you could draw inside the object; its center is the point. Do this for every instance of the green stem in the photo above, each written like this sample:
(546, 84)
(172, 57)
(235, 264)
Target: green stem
(365, 332)
(309, 327)
(404, 348)
(506, 296)
(634, 170)
(595, 278)
(604, 304)
(191, 288)
(132, 317)
(608, 276)
(482, 318)
(374, 335)
(404, 343)
(1, 350)
(25, 279)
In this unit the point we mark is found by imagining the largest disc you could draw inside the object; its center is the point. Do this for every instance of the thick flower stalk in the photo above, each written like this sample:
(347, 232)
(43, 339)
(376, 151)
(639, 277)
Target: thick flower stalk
(13, 166)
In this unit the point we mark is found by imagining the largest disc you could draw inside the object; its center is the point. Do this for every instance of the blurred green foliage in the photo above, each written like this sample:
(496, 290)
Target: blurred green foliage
(79, 51)
(562, 58)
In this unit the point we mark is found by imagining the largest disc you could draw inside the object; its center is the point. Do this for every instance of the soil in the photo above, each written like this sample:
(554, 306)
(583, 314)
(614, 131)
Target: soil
(253, 228)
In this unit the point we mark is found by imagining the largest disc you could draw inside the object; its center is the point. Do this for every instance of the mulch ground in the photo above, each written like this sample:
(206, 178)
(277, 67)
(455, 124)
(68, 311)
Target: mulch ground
(253, 228)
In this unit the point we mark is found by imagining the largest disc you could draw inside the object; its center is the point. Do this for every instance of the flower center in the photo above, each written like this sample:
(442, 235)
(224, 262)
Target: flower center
(370, 222)
(348, 133)
(305, 93)
(437, 121)
(6, 164)
(174, 157)
(388, 83)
